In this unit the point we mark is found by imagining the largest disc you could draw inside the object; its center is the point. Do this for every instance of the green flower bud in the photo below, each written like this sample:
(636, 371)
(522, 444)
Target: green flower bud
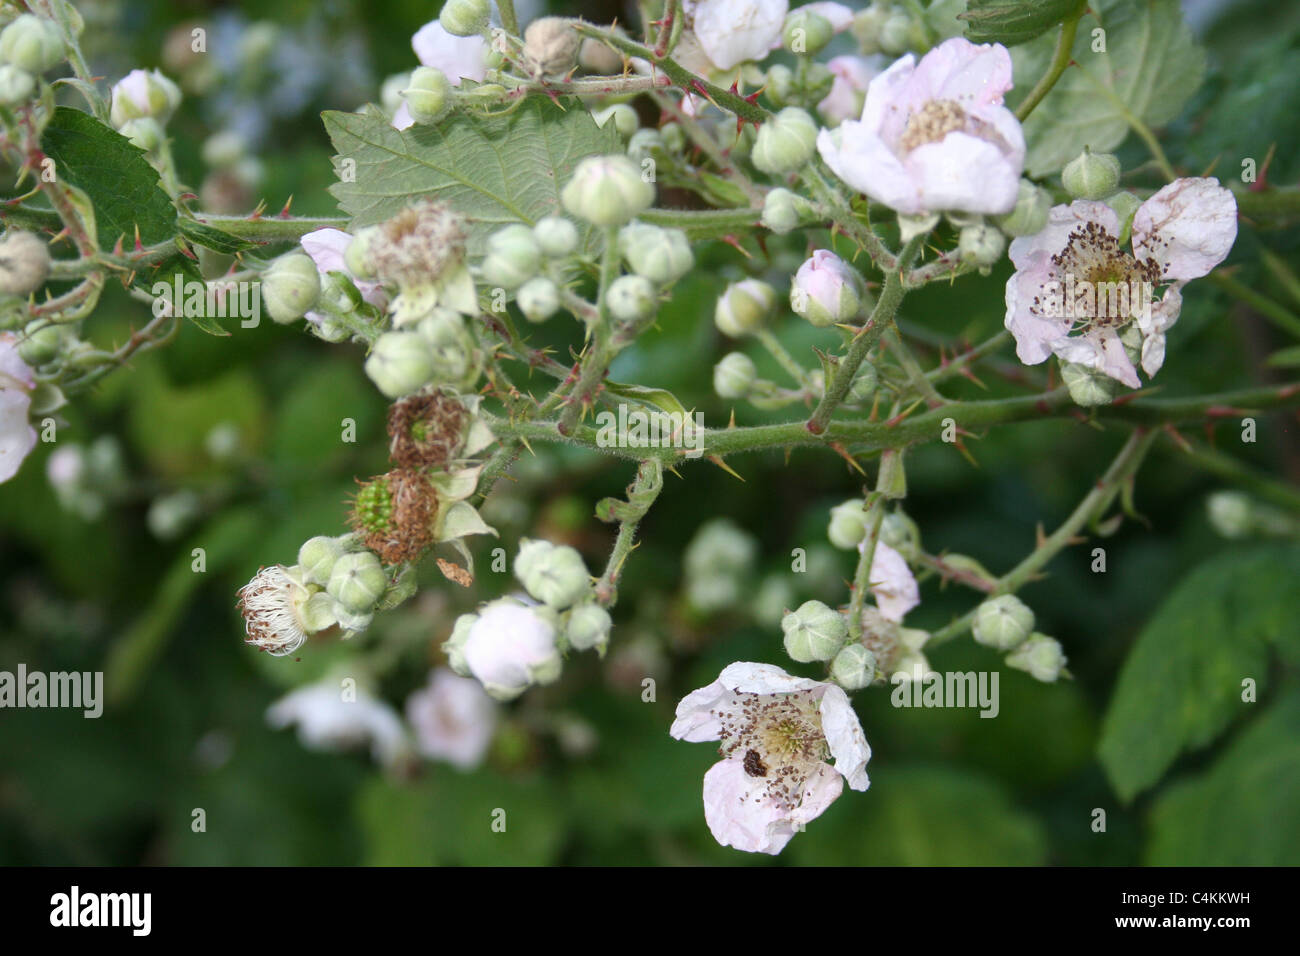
(31, 43)
(1029, 215)
(785, 142)
(607, 191)
(428, 95)
(290, 287)
(897, 34)
(223, 150)
(551, 47)
(780, 84)
(980, 245)
(356, 257)
(1091, 175)
(744, 307)
(1126, 206)
(854, 667)
(556, 236)
(538, 299)
(317, 557)
(1002, 622)
(806, 33)
(1088, 387)
(848, 524)
(1041, 656)
(734, 376)
(814, 632)
(587, 627)
(143, 132)
(465, 18)
(16, 85)
(891, 481)
(643, 145)
(867, 25)
(357, 581)
(674, 138)
(784, 212)
(554, 574)
(661, 255)
(400, 363)
(451, 348)
(350, 621)
(24, 262)
(901, 533)
(41, 342)
(863, 386)
(512, 257)
(1231, 513)
(143, 93)
(454, 646)
(623, 116)
(631, 298)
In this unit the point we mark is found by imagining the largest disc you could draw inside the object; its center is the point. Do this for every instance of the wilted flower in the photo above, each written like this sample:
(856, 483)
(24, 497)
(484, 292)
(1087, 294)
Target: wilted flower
(453, 719)
(934, 136)
(777, 733)
(331, 717)
(1076, 289)
(280, 609)
(17, 437)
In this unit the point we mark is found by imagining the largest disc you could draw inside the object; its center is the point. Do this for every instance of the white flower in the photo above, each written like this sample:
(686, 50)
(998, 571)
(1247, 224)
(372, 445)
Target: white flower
(17, 437)
(1076, 289)
(733, 31)
(280, 610)
(892, 583)
(453, 719)
(935, 136)
(837, 15)
(326, 248)
(457, 57)
(777, 732)
(852, 75)
(510, 647)
(330, 717)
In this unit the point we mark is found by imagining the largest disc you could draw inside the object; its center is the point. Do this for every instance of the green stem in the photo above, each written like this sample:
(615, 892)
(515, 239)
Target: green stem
(272, 229)
(508, 19)
(602, 349)
(1241, 474)
(917, 378)
(1060, 60)
(649, 482)
(867, 555)
(783, 358)
(703, 223)
(1279, 315)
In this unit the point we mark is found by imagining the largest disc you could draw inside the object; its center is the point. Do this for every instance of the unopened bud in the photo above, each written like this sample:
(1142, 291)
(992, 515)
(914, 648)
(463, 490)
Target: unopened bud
(428, 95)
(512, 257)
(24, 262)
(1088, 387)
(805, 32)
(290, 287)
(826, 290)
(785, 142)
(980, 245)
(144, 133)
(538, 299)
(556, 236)
(144, 93)
(317, 557)
(31, 43)
(16, 85)
(607, 191)
(661, 255)
(1231, 513)
(854, 667)
(587, 627)
(554, 574)
(744, 307)
(867, 25)
(357, 581)
(631, 298)
(784, 212)
(621, 115)
(551, 46)
(1002, 622)
(1041, 656)
(1029, 215)
(1091, 175)
(400, 363)
(814, 632)
(848, 524)
(465, 18)
(734, 376)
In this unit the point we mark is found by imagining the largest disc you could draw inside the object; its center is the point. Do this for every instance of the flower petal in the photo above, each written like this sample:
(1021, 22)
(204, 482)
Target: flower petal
(845, 738)
(966, 173)
(1188, 227)
(745, 677)
(892, 583)
(739, 812)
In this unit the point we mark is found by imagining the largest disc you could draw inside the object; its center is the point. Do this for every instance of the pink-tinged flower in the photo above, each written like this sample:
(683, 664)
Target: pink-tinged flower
(326, 248)
(458, 57)
(934, 135)
(852, 75)
(892, 583)
(837, 15)
(332, 717)
(453, 719)
(777, 732)
(1076, 290)
(17, 437)
(733, 31)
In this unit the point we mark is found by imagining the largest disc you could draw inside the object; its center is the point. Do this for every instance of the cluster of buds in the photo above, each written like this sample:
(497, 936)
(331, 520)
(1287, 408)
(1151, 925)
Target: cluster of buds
(29, 45)
(1005, 623)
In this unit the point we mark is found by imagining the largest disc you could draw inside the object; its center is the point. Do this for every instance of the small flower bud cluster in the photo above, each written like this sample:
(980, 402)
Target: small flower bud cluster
(719, 566)
(1006, 623)
(29, 45)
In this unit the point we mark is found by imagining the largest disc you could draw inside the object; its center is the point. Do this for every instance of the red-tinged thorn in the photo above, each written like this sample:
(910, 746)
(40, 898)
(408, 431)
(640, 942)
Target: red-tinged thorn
(284, 213)
(188, 253)
(117, 247)
(138, 246)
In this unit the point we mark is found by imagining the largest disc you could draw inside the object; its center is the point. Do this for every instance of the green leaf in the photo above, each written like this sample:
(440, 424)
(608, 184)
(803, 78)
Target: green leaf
(1288, 357)
(1014, 21)
(1182, 683)
(1245, 810)
(1150, 67)
(493, 169)
(113, 172)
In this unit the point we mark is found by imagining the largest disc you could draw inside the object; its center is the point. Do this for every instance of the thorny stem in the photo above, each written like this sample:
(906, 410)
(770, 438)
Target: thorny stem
(602, 349)
(645, 489)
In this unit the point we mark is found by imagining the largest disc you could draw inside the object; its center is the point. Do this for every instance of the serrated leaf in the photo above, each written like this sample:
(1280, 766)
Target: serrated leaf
(1182, 682)
(114, 174)
(492, 169)
(1151, 66)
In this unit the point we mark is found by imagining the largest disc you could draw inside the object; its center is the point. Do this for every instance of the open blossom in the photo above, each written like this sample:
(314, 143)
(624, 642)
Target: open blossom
(934, 135)
(330, 717)
(453, 719)
(851, 77)
(457, 57)
(733, 31)
(17, 437)
(777, 733)
(1076, 290)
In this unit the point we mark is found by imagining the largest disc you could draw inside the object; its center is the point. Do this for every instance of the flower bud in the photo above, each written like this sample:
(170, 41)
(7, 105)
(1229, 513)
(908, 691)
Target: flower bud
(451, 348)
(551, 47)
(356, 257)
(598, 57)
(980, 245)
(290, 287)
(24, 262)
(1091, 175)
(40, 344)
(826, 290)
(848, 524)
(1231, 513)
(454, 646)
(224, 149)
(780, 84)
(538, 299)
(784, 212)
(144, 133)
(512, 257)
(1041, 656)
(510, 646)
(661, 255)
(854, 667)
(428, 95)
(673, 136)
(644, 144)
(806, 32)
(891, 481)
(622, 115)
(1002, 622)
(744, 307)
(350, 621)
(1088, 386)
(863, 386)
(785, 142)
(400, 363)
(556, 236)
(901, 533)
(16, 85)
(317, 557)
(897, 34)
(554, 574)
(734, 376)
(1029, 215)
(357, 581)
(31, 43)
(465, 18)
(144, 93)
(814, 632)
(631, 298)
(587, 627)
(607, 191)
(866, 27)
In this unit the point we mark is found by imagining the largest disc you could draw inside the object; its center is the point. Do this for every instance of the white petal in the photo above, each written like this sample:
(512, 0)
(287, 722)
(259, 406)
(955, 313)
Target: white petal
(965, 173)
(819, 791)
(745, 677)
(694, 721)
(960, 70)
(456, 56)
(1061, 221)
(732, 31)
(862, 160)
(740, 814)
(1188, 227)
(1153, 353)
(453, 719)
(892, 583)
(1100, 350)
(838, 15)
(844, 736)
(17, 437)
(1034, 333)
(402, 118)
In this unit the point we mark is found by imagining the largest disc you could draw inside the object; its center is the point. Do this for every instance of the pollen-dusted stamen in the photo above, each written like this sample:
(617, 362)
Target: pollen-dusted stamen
(419, 244)
(781, 739)
(395, 514)
(269, 604)
(932, 122)
(426, 431)
(1103, 285)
